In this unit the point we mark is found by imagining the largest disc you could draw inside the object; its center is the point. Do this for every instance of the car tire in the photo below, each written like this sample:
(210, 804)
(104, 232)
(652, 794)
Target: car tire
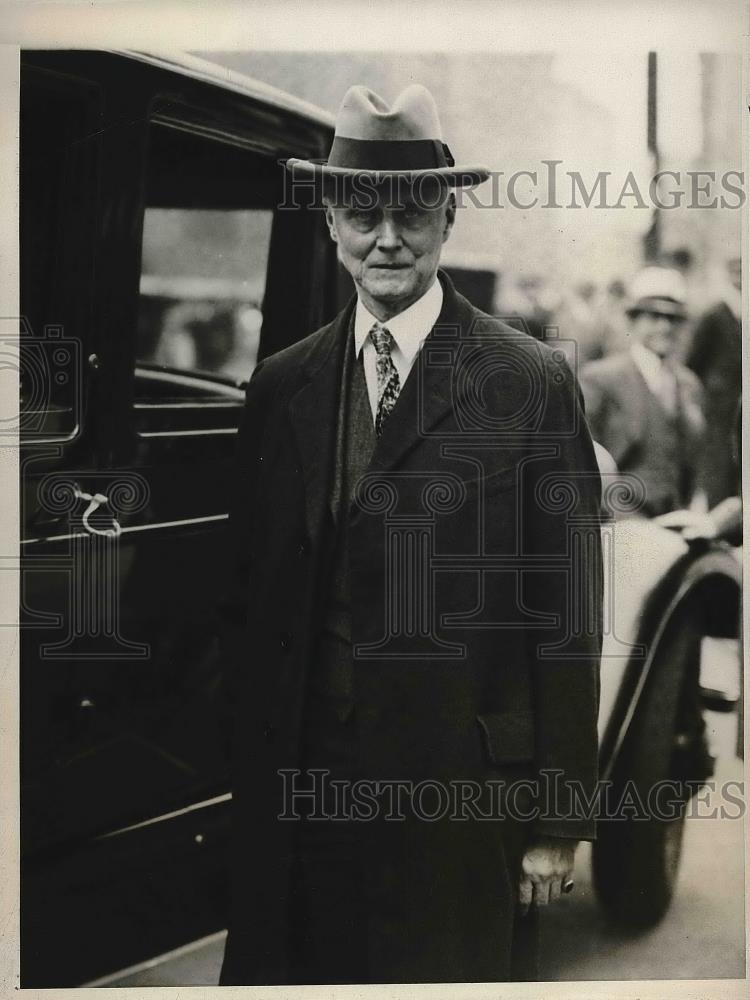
(636, 859)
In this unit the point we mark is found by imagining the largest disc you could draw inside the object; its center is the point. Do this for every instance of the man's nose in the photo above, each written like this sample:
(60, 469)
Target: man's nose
(389, 234)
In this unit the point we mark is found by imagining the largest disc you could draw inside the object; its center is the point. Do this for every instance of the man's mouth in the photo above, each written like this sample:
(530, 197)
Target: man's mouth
(390, 267)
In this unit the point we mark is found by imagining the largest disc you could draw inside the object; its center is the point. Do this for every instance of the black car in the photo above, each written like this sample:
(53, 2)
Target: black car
(156, 267)
(160, 259)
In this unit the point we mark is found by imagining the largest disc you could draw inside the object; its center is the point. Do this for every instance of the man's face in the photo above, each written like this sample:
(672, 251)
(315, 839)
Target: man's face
(657, 331)
(391, 244)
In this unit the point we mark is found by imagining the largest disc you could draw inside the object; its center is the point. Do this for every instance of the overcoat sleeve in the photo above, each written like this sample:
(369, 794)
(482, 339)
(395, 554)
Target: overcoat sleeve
(561, 533)
(595, 397)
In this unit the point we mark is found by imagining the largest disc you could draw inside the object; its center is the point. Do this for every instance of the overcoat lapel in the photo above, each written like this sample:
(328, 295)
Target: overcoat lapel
(313, 412)
(426, 398)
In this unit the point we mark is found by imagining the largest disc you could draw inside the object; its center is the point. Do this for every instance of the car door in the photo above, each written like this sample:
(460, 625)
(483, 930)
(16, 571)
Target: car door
(63, 438)
(178, 270)
(210, 229)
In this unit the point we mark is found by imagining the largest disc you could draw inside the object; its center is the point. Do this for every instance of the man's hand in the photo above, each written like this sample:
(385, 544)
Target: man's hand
(545, 866)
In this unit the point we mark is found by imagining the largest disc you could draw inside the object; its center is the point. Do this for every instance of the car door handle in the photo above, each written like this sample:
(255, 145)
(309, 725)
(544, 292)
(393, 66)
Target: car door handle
(95, 501)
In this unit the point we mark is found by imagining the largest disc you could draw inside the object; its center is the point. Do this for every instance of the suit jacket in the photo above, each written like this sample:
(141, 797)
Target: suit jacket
(470, 664)
(618, 404)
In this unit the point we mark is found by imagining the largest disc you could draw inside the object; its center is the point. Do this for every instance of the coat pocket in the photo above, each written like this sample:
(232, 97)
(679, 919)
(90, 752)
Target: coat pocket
(507, 737)
(493, 482)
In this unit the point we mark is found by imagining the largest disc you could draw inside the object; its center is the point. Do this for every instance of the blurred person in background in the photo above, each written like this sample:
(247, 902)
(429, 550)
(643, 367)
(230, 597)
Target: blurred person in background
(576, 317)
(248, 322)
(715, 355)
(643, 405)
(213, 335)
(217, 337)
(529, 305)
(175, 343)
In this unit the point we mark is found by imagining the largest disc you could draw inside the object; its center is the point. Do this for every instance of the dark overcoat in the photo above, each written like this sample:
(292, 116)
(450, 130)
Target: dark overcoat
(475, 588)
(715, 356)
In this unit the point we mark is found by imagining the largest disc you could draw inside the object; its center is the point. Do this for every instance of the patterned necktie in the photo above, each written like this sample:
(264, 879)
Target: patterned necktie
(389, 384)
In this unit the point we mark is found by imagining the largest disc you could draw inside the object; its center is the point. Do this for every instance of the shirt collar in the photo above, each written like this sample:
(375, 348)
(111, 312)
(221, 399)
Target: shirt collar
(408, 328)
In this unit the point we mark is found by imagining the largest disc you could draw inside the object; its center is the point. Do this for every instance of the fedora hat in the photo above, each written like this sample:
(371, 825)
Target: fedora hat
(404, 140)
(658, 290)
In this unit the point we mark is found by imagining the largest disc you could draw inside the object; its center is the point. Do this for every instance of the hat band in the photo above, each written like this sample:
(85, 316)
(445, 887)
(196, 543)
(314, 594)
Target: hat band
(662, 304)
(389, 154)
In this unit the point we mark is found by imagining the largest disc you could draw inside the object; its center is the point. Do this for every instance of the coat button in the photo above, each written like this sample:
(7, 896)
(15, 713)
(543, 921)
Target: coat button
(285, 640)
(269, 734)
(302, 550)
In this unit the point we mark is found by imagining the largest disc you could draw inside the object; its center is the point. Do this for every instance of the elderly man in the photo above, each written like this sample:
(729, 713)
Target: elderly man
(421, 704)
(642, 404)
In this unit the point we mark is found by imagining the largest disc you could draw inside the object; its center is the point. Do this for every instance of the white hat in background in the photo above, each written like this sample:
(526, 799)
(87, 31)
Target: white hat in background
(658, 290)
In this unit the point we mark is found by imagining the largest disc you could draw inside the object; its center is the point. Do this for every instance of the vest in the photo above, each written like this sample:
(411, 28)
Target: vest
(663, 463)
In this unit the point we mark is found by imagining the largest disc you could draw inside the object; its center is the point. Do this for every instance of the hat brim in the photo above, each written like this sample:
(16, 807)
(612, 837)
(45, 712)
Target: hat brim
(456, 176)
(675, 311)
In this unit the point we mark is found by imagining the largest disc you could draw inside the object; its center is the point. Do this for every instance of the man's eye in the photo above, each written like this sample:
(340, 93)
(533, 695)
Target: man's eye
(363, 215)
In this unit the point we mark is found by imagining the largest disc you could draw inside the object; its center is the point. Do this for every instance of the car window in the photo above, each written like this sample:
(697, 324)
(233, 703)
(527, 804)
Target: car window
(207, 232)
(203, 279)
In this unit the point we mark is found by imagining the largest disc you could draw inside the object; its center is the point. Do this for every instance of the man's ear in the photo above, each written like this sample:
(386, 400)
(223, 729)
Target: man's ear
(331, 221)
(450, 215)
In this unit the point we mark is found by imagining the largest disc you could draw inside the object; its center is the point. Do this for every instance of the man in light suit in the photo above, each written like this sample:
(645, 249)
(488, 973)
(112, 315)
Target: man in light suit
(415, 479)
(644, 406)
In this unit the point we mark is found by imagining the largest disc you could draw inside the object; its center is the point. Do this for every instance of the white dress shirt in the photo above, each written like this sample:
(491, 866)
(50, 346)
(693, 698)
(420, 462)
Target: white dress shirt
(409, 330)
(658, 376)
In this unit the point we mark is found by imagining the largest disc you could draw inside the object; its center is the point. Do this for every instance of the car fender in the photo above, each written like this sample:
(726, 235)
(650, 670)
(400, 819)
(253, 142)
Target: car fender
(650, 572)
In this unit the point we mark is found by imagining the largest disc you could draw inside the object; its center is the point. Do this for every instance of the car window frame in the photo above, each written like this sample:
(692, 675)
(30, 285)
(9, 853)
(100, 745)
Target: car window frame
(169, 111)
(64, 305)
